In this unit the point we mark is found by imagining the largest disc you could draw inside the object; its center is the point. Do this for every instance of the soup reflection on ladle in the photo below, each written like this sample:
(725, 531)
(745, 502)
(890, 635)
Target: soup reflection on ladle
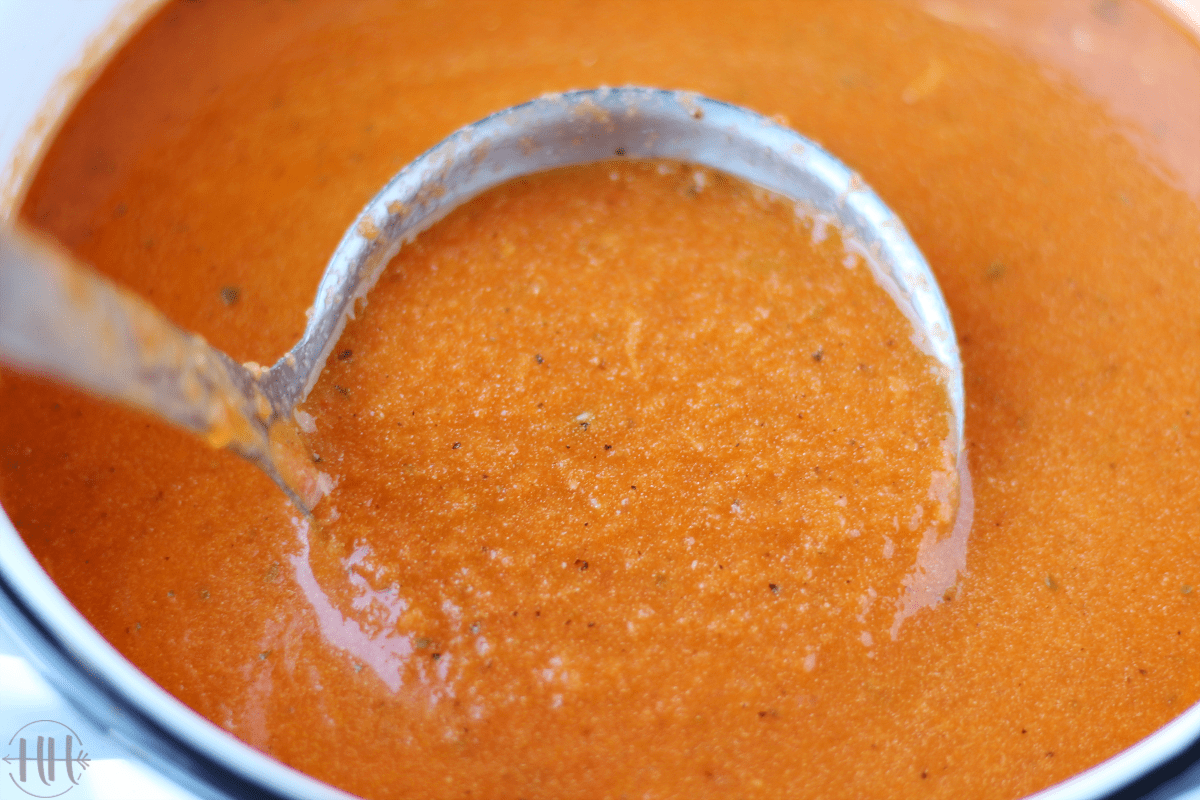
(61, 320)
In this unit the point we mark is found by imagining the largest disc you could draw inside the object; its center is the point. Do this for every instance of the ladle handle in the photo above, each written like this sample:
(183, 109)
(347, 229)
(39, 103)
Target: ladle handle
(64, 321)
(61, 320)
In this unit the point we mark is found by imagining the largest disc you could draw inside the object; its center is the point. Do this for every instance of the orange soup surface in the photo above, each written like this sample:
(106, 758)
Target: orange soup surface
(642, 486)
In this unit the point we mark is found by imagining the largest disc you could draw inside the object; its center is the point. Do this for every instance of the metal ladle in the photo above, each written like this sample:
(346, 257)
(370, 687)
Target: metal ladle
(60, 320)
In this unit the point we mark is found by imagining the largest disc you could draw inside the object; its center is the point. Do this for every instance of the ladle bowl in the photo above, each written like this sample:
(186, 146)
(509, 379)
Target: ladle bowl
(580, 127)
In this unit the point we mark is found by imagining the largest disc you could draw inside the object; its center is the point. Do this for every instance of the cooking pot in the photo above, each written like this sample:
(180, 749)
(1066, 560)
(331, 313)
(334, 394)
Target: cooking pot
(47, 53)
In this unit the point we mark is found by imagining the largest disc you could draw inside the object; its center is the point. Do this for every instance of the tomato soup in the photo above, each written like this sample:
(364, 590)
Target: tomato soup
(641, 484)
